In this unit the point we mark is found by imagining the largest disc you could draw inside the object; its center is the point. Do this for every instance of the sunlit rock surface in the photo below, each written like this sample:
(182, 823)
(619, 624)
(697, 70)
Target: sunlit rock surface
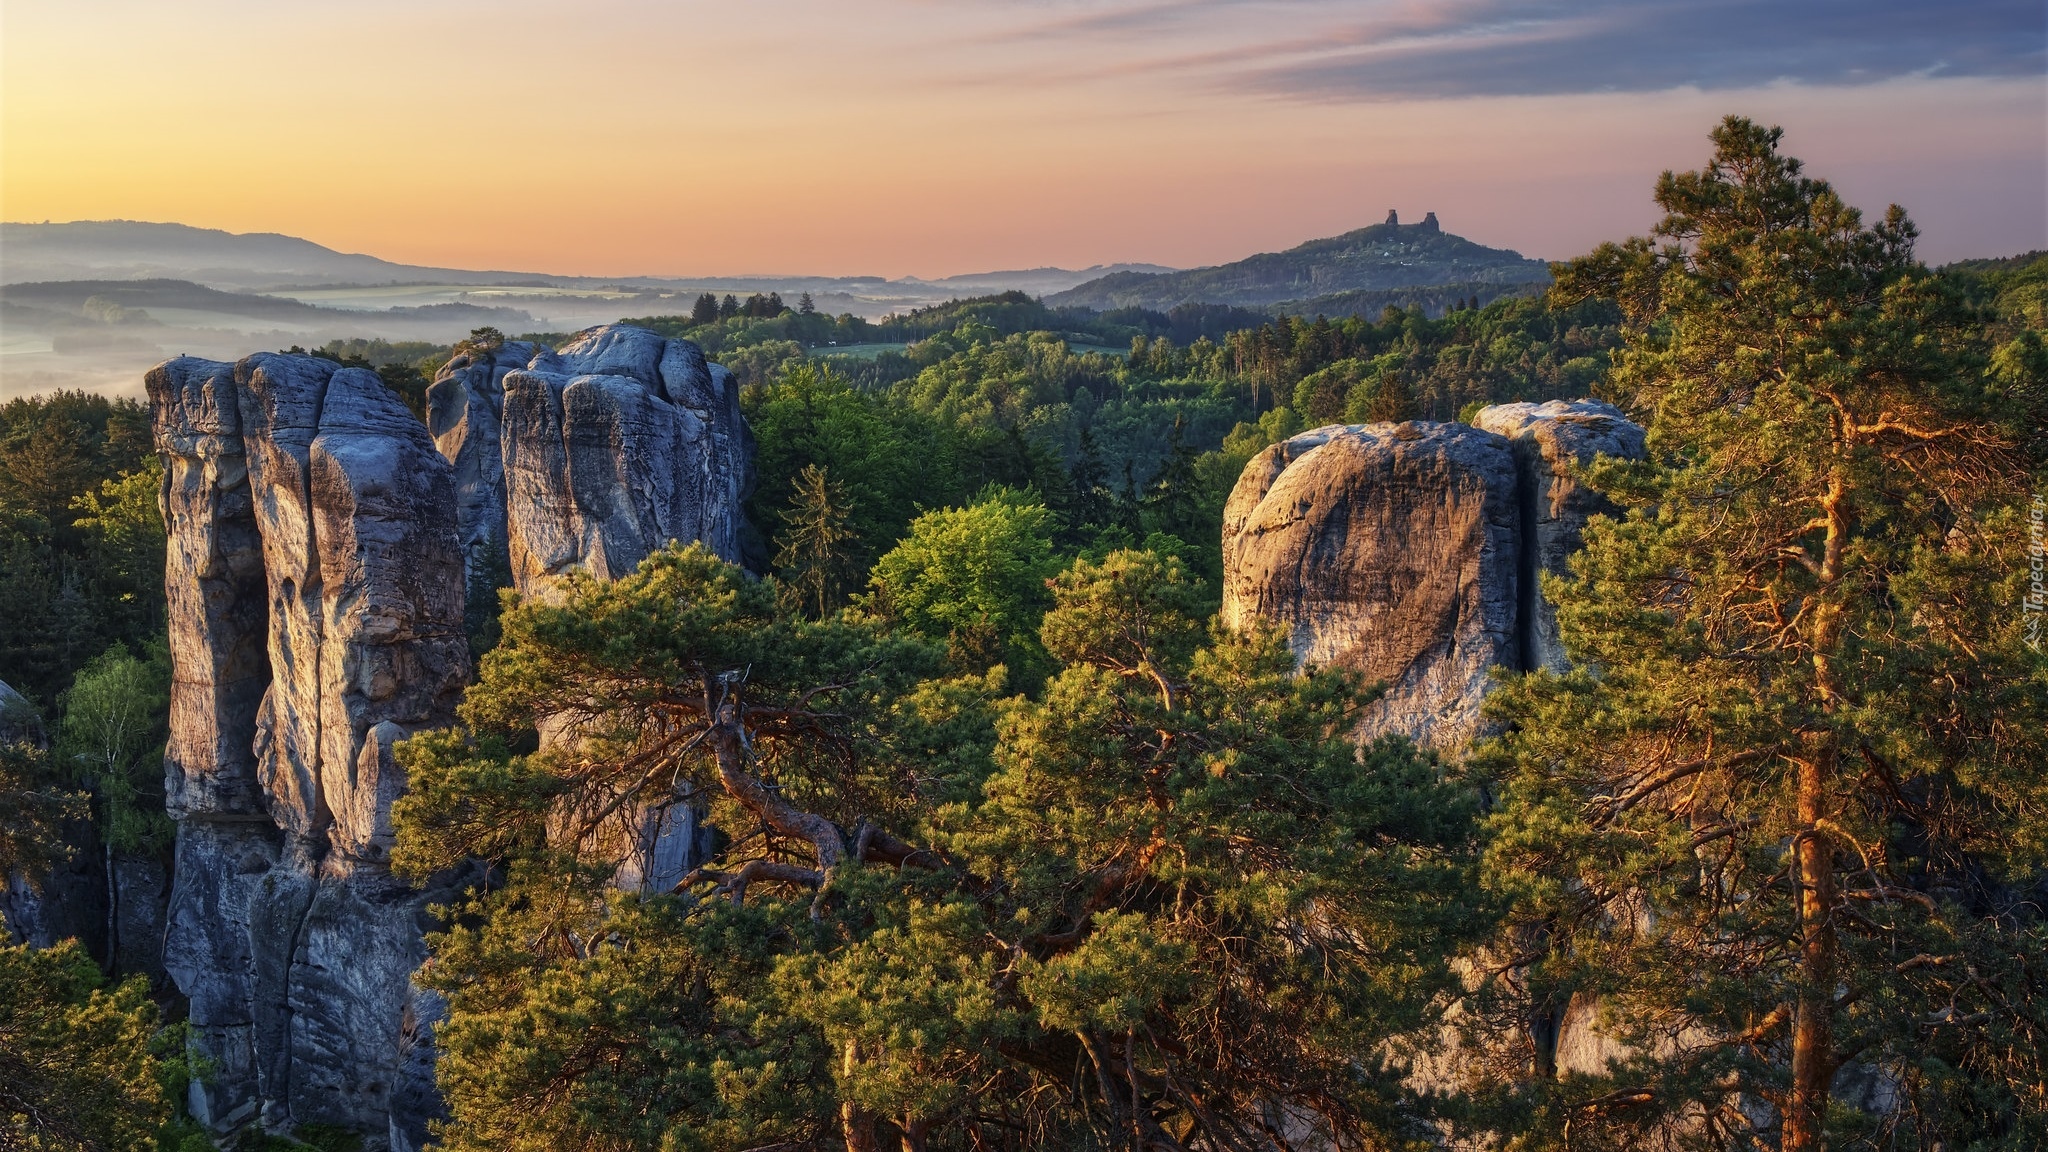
(1388, 549)
(315, 583)
(1410, 552)
(594, 456)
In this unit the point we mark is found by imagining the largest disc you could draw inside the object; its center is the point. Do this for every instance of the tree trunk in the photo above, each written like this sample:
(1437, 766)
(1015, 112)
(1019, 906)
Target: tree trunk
(855, 1122)
(1813, 1055)
(1813, 1064)
(113, 902)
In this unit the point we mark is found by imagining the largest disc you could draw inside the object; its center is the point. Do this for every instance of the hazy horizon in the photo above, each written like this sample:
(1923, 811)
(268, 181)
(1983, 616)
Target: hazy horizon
(904, 138)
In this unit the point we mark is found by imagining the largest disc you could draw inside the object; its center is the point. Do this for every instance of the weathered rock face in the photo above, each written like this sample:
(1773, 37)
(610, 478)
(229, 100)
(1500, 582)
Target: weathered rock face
(1390, 549)
(315, 584)
(465, 415)
(1548, 439)
(321, 545)
(1409, 552)
(594, 456)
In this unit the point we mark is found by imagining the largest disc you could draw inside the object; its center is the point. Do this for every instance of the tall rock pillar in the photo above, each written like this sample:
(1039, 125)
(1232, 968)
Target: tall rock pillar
(315, 584)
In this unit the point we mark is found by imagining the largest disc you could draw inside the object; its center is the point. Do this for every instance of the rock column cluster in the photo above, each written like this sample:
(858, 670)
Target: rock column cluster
(594, 456)
(322, 547)
(1409, 552)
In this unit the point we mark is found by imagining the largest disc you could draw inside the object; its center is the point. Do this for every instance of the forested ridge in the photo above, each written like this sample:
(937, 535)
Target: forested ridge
(1017, 847)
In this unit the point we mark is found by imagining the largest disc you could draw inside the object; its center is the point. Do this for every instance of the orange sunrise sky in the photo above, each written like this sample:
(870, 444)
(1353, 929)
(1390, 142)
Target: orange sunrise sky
(630, 137)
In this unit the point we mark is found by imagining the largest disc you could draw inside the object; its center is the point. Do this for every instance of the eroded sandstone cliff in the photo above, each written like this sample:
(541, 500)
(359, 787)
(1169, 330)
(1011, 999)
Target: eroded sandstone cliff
(322, 545)
(315, 587)
(1409, 552)
(594, 456)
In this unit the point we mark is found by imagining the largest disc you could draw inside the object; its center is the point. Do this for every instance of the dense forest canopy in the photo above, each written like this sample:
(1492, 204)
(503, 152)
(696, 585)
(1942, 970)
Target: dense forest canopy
(1018, 848)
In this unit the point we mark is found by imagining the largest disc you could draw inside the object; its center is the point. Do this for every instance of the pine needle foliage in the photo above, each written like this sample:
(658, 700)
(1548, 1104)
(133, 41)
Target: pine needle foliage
(1778, 835)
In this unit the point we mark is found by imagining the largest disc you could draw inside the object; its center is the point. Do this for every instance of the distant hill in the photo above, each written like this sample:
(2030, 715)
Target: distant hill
(1384, 258)
(258, 261)
(130, 302)
(1042, 281)
(133, 250)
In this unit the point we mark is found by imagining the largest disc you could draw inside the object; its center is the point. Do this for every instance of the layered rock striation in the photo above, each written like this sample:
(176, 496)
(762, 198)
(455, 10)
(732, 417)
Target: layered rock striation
(1409, 552)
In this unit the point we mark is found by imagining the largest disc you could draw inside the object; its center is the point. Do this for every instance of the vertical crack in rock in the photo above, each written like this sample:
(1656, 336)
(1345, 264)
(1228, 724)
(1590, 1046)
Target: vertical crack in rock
(1550, 439)
(1528, 562)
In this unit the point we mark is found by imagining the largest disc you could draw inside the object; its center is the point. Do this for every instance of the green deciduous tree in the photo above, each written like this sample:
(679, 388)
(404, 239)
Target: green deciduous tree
(1783, 821)
(973, 577)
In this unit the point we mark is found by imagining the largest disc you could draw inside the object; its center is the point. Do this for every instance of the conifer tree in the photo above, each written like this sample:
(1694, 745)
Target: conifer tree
(815, 561)
(1170, 906)
(1782, 822)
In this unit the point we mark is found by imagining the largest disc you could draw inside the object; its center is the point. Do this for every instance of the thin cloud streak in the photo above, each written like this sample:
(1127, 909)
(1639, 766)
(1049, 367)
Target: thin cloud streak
(1537, 47)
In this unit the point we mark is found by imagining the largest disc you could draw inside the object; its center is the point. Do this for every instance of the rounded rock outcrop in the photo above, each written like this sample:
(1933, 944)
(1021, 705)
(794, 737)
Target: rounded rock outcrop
(1410, 553)
(1390, 550)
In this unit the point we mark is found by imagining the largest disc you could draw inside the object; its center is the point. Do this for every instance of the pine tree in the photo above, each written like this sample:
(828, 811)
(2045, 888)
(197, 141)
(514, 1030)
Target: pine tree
(1094, 503)
(1170, 905)
(815, 561)
(1173, 500)
(1782, 822)
(705, 310)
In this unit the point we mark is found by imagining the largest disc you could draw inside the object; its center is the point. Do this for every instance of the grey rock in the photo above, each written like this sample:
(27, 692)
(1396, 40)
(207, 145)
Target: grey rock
(465, 415)
(216, 601)
(316, 586)
(1388, 549)
(1411, 552)
(613, 447)
(1549, 439)
(321, 545)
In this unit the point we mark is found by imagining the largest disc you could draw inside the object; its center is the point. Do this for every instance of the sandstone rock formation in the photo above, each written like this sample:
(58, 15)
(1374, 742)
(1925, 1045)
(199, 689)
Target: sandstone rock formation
(315, 587)
(1548, 439)
(594, 456)
(1390, 549)
(1409, 552)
